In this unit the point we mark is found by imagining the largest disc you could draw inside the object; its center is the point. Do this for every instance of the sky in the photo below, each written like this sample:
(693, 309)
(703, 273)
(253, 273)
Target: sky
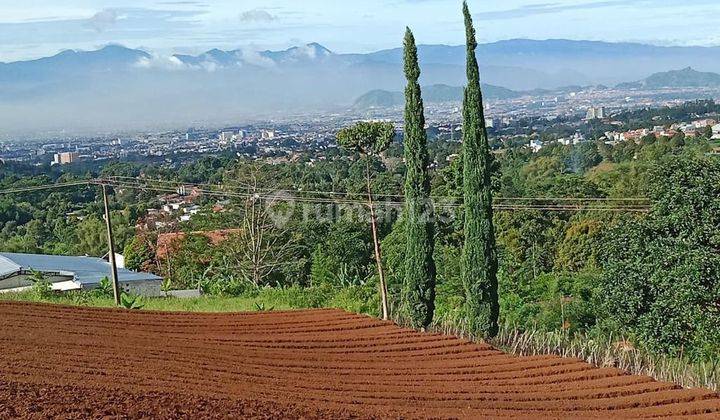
(36, 28)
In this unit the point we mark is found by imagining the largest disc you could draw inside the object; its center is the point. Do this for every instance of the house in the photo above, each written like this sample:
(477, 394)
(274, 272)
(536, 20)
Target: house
(536, 145)
(716, 132)
(169, 243)
(70, 273)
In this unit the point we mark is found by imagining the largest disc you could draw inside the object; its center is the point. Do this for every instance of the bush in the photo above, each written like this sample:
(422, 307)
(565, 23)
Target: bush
(662, 274)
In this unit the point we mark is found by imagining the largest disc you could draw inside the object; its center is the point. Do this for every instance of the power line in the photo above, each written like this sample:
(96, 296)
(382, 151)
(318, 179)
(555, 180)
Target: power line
(251, 189)
(45, 187)
(501, 203)
(594, 204)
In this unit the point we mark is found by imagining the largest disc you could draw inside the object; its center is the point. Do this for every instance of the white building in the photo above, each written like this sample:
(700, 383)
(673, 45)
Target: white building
(226, 136)
(716, 132)
(536, 145)
(268, 134)
(595, 113)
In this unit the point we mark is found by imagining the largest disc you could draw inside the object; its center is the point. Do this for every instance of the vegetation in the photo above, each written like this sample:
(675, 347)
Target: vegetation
(479, 253)
(418, 293)
(662, 273)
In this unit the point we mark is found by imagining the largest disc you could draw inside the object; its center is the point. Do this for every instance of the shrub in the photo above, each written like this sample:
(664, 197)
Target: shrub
(662, 273)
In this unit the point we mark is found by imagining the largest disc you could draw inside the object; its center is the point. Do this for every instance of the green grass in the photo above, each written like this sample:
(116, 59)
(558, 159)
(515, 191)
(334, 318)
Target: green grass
(358, 299)
(169, 304)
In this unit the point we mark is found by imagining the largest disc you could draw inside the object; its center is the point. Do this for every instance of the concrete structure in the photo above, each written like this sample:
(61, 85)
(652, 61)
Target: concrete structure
(70, 273)
(536, 145)
(595, 113)
(65, 158)
(226, 136)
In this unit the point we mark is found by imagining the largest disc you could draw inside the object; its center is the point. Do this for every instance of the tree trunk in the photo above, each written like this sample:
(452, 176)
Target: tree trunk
(378, 257)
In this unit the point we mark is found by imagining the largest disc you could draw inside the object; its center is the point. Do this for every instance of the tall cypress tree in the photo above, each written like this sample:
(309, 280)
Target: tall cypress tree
(479, 261)
(418, 293)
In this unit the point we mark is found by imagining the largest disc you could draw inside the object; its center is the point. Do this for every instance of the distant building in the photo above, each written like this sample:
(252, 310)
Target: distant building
(226, 136)
(492, 122)
(595, 113)
(70, 273)
(268, 134)
(65, 158)
(572, 140)
(704, 123)
(716, 129)
(536, 145)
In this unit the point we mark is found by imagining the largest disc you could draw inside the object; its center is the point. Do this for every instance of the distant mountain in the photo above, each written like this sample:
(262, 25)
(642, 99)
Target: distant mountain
(687, 77)
(379, 98)
(70, 62)
(304, 54)
(560, 62)
(118, 87)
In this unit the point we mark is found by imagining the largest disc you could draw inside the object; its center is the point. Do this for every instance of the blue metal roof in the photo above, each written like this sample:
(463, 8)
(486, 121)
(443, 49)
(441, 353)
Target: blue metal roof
(85, 270)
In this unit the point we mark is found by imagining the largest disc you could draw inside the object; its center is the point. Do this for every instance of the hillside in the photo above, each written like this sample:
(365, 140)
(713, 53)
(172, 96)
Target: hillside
(379, 98)
(687, 77)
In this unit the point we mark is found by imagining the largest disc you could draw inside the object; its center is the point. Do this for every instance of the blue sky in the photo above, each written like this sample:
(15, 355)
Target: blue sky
(34, 28)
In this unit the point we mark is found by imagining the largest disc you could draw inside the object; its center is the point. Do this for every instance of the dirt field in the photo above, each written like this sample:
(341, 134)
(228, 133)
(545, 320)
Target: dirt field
(81, 362)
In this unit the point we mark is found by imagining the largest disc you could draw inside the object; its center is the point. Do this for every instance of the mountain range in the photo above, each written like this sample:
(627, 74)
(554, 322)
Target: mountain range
(116, 87)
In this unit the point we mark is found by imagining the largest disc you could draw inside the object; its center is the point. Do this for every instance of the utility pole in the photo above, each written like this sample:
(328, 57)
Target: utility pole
(111, 246)
(376, 242)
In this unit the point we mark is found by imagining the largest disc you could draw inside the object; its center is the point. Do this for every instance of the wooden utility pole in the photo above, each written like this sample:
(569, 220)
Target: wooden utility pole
(111, 247)
(378, 257)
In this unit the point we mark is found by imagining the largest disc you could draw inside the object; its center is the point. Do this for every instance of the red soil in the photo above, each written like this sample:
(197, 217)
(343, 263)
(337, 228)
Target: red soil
(79, 362)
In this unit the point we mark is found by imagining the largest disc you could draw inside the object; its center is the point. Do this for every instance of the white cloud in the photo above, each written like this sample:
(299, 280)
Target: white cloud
(103, 20)
(162, 62)
(252, 57)
(257, 16)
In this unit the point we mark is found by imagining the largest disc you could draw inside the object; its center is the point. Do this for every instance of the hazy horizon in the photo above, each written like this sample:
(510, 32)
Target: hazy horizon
(148, 86)
(43, 28)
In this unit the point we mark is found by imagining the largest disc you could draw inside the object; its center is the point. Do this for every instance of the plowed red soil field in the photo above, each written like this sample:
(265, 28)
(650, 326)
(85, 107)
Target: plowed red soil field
(68, 362)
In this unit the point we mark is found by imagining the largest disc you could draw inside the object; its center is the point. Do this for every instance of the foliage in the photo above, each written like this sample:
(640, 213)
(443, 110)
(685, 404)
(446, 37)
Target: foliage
(480, 264)
(132, 302)
(166, 286)
(138, 254)
(661, 278)
(41, 288)
(418, 292)
(260, 307)
(367, 137)
(104, 288)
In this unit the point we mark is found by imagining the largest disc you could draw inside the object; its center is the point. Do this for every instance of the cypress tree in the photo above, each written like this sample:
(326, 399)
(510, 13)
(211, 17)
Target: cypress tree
(479, 260)
(418, 293)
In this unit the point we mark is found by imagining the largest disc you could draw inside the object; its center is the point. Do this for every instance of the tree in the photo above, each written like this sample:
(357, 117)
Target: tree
(418, 293)
(371, 138)
(91, 237)
(263, 246)
(661, 279)
(480, 262)
(138, 254)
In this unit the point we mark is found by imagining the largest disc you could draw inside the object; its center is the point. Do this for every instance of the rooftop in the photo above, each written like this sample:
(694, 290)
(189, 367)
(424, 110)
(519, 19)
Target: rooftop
(84, 270)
